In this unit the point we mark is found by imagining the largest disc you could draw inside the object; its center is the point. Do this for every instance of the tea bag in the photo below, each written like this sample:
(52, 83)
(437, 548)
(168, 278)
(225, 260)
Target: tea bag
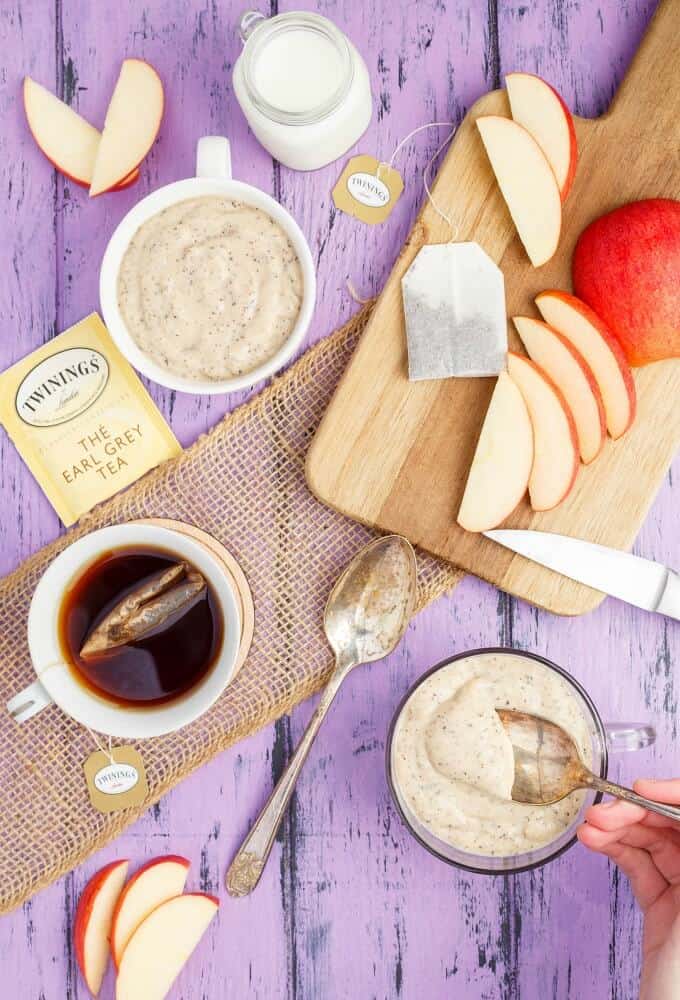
(151, 604)
(454, 306)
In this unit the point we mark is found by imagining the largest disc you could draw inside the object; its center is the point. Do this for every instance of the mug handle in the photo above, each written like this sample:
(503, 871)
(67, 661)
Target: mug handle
(29, 702)
(623, 736)
(213, 158)
(249, 21)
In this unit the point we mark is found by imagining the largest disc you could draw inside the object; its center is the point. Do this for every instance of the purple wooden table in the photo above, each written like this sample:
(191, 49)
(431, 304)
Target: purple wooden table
(349, 905)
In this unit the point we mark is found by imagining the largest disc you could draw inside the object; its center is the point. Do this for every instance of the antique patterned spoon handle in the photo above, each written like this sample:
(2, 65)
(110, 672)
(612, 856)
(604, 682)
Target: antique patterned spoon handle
(610, 788)
(246, 868)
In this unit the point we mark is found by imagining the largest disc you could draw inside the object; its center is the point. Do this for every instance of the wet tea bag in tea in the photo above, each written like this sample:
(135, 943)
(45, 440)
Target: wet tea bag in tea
(454, 308)
(140, 626)
(156, 602)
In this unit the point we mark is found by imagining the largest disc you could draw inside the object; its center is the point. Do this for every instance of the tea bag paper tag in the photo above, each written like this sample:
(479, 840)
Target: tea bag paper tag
(116, 781)
(454, 309)
(367, 189)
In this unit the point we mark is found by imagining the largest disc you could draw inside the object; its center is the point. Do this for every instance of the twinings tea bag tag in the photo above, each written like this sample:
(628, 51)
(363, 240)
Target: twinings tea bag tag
(454, 308)
(368, 189)
(116, 779)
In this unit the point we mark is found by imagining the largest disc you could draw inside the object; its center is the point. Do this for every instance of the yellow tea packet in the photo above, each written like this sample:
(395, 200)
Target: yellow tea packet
(82, 420)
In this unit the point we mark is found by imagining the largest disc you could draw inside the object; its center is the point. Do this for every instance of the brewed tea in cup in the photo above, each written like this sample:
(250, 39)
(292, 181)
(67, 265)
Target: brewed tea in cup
(140, 626)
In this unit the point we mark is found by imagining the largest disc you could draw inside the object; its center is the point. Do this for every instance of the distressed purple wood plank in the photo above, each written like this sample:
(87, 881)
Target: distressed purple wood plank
(28, 288)
(585, 53)
(407, 46)
(349, 906)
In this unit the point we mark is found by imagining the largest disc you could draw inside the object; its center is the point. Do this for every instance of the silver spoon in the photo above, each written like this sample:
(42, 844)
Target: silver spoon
(548, 765)
(366, 616)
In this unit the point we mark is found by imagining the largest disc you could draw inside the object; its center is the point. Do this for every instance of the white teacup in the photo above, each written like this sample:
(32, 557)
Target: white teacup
(213, 177)
(57, 681)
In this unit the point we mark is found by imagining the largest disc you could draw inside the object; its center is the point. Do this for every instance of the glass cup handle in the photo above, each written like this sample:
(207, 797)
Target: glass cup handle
(248, 23)
(213, 158)
(623, 736)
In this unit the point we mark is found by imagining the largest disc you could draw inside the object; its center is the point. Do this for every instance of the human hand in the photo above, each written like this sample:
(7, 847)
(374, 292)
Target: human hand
(646, 847)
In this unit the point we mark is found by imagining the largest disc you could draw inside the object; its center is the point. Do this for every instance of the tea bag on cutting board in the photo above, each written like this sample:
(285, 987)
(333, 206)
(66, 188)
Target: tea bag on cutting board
(454, 307)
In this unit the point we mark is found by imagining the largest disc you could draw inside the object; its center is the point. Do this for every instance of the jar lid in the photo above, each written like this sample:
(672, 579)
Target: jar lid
(297, 67)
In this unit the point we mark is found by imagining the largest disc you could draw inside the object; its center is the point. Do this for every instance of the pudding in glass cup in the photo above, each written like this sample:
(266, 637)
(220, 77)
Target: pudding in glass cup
(450, 764)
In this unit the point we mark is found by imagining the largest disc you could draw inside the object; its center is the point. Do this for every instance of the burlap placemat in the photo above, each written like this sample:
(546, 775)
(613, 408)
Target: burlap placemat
(244, 483)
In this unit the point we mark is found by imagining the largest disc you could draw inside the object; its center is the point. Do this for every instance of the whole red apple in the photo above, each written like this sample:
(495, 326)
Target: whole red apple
(626, 266)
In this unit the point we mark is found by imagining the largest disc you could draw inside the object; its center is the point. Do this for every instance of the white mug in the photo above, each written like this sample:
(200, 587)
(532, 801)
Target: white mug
(213, 177)
(56, 680)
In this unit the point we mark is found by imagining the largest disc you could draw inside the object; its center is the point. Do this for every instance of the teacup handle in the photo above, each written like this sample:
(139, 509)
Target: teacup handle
(629, 735)
(213, 158)
(28, 702)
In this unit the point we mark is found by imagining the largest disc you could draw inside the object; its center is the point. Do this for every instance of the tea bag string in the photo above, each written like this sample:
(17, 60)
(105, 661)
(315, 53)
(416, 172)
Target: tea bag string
(428, 167)
(107, 753)
(426, 184)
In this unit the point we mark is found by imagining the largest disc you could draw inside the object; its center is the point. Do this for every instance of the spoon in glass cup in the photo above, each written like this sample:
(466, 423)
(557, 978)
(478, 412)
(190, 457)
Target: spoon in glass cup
(549, 766)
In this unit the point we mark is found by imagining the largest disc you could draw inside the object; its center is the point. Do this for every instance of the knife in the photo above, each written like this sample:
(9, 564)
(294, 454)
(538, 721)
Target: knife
(638, 581)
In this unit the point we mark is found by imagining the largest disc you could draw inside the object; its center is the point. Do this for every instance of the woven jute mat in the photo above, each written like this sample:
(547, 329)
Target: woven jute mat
(243, 483)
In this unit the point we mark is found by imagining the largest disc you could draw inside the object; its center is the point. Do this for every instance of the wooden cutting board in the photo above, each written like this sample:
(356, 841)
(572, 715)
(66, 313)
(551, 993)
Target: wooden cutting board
(396, 454)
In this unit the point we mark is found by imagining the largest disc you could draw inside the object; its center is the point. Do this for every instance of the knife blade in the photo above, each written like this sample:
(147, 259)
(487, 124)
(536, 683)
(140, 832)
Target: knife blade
(642, 582)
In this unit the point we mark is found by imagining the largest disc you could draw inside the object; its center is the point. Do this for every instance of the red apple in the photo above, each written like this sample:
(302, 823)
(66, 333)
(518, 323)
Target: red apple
(500, 470)
(540, 109)
(68, 141)
(156, 881)
(161, 946)
(601, 351)
(558, 357)
(556, 461)
(527, 183)
(626, 266)
(132, 122)
(93, 922)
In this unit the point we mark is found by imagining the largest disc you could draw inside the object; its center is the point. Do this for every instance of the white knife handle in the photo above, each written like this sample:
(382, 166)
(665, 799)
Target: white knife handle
(669, 602)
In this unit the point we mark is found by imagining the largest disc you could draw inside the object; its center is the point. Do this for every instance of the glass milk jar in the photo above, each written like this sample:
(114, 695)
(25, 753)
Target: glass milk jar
(302, 86)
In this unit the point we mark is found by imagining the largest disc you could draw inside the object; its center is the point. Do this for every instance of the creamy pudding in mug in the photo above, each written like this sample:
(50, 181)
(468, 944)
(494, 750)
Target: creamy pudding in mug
(210, 288)
(453, 764)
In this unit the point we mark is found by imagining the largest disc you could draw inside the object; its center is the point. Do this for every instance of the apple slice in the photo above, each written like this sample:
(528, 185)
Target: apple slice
(93, 922)
(68, 141)
(500, 470)
(601, 351)
(558, 357)
(527, 183)
(156, 881)
(132, 122)
(128, 181)
(539, 108)
(161, 945)
(555, 442)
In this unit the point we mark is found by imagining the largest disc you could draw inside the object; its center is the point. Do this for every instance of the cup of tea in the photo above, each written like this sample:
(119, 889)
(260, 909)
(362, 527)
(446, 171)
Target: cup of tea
(133, 630)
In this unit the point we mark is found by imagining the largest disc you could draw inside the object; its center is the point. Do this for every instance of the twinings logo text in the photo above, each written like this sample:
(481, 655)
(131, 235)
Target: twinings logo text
(368, 189)
(62, 387)
(115, 779)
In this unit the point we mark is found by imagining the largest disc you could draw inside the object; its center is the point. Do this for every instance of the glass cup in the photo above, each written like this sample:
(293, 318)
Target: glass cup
(604, 737)
(311, 132)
